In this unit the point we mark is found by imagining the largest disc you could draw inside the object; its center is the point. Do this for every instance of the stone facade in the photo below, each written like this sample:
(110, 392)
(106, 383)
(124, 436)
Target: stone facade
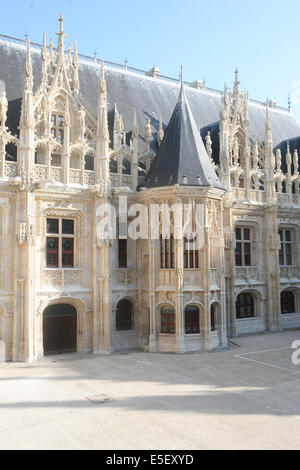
(52, 178)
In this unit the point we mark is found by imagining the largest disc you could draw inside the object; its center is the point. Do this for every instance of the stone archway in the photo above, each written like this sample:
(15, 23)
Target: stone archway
(59, 329)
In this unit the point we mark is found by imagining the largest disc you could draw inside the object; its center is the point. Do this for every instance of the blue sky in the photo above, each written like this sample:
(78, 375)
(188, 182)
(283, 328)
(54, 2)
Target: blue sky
(210, 38)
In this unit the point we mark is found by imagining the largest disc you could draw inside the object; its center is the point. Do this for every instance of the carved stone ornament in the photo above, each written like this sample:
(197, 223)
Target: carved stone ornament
(230, 241)
(273, 241)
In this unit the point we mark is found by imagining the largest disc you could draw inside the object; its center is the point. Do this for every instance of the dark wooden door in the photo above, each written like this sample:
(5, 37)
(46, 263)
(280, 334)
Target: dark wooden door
(60, 329)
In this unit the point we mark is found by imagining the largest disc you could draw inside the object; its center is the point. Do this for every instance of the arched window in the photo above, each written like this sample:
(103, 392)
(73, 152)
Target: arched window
(284, 187)
(212, 318)
(89, 162)
(191, 320)
(124, 316)
(113, 165)
(244, 306)
(167, 315)
(287, 302)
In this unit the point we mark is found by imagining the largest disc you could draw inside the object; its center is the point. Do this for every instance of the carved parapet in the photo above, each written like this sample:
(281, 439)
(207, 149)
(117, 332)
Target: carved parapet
(246, 274)
(10, 169)
(126, 276)
(289, 272)
(60, 278)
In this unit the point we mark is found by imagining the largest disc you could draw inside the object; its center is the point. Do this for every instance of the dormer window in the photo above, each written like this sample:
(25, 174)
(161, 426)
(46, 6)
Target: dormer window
(57, 127)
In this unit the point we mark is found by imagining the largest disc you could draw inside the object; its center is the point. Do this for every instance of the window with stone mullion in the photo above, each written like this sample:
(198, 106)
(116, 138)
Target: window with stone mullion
(285, 252)
(243, 246)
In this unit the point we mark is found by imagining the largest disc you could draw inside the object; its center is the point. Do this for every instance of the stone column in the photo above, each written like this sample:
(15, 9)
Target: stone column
(206, 284)
(2, 158)
(179, 284)
(152, 296)
(272, 270)
(66, 152)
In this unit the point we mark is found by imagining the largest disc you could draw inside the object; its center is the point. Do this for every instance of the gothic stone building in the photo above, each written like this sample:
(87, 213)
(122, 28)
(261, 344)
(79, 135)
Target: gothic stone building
(75, 134)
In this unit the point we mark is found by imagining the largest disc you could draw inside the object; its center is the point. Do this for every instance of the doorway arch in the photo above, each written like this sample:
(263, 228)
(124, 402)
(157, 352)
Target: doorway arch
(59, 329)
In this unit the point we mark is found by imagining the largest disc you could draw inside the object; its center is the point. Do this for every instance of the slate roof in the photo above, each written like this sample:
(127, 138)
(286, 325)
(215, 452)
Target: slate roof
(182, 158)
(151, 97)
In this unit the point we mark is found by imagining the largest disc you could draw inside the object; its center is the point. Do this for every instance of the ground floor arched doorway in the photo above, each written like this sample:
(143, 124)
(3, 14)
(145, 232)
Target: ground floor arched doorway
(59, 329)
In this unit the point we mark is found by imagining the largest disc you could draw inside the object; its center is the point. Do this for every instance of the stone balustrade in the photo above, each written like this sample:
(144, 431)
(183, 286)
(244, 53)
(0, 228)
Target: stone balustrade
(56, 174)
(120, 180)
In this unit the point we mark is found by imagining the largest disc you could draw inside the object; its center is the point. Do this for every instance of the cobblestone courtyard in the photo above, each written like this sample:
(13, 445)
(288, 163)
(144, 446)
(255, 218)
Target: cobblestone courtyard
(246, 397)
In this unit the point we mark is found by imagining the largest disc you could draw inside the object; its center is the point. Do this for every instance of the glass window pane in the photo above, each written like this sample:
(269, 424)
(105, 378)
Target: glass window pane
(238, 254)
(287, 236)
(52, 252)
(288, 251)
(60, 136)
(67, 244)
(67, 252)
(122, 247)
(52, 226)
(238, 234)
(246, 234)
(52, 243)
(68, 226)
(167, 320)
(247, 252)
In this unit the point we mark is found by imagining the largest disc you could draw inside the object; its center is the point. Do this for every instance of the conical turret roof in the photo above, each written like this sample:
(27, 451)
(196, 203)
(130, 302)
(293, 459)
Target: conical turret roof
(182, 158)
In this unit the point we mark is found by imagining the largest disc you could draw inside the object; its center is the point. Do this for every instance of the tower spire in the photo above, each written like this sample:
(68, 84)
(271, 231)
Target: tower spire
(61, 35)
(102, 145)
(236, 81)
(26, 111)
(75, 63)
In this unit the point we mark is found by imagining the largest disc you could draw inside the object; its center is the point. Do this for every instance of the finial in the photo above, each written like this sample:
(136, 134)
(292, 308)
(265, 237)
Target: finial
(125, 62)
(28, 58)
(44, 40)
(289, 103)
(26, 36)
(61, 35)
(135, 130)
(75, 52)
(181, 75)
(102, 82)
(236, 81)
(148, 132)
(95, 56)
(61, 23)
(268, 122)
(236, 76)
(160, 133)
